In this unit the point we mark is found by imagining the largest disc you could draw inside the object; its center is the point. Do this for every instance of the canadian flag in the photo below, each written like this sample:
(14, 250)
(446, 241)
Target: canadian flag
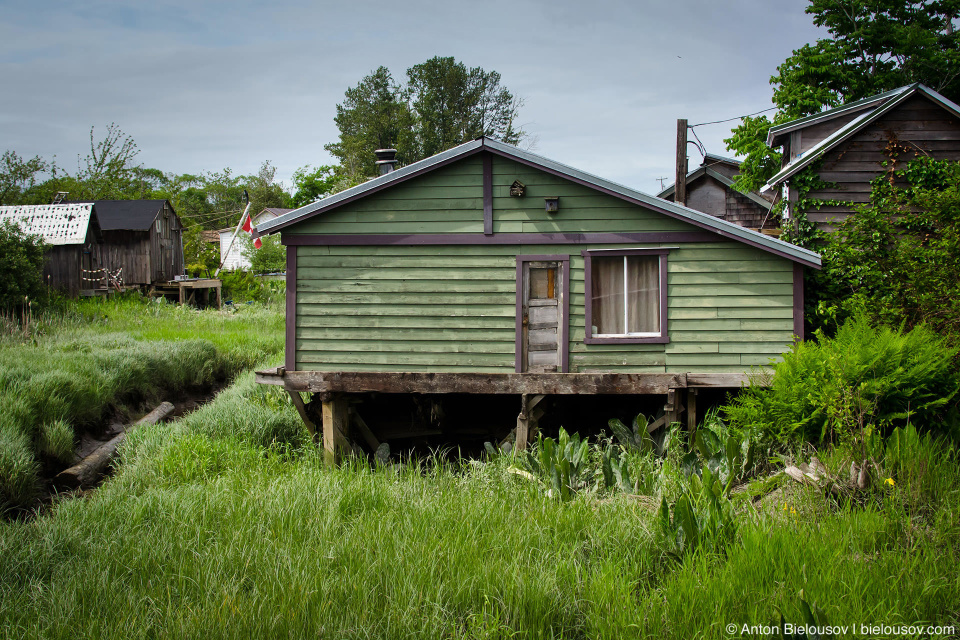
(248, 227)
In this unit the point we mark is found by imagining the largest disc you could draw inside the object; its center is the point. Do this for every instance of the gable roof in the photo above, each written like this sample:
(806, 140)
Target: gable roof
(719, 177)
(57, 224)
(696, 218)
(128, 215)
(890, 101)
(776, 133)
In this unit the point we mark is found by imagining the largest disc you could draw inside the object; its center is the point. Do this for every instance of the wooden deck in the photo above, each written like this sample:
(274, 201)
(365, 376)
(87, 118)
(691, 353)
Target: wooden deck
(499, 383)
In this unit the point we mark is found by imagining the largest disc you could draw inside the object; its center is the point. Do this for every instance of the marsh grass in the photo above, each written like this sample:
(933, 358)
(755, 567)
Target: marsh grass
(95, 358)
(226, 524)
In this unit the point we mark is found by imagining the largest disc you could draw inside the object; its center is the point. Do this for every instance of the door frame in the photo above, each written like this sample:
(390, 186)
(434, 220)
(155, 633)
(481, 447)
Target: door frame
(564, 308)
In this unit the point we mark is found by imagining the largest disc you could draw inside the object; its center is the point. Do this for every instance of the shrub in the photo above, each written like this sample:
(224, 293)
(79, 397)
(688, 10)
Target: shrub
(898, 258)
(867, 376)
(21, 266)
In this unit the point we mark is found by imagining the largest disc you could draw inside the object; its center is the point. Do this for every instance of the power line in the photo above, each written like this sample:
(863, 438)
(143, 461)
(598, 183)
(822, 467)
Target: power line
(731, 119)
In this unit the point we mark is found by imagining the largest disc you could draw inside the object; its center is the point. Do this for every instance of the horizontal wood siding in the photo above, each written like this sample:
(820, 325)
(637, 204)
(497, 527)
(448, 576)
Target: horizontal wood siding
(917, 127)
(451, 308)
(442, 308)
(434, 308)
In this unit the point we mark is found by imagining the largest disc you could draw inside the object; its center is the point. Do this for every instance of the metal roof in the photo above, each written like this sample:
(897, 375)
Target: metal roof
(57, 224)
(801, 123)
(855, 125)
(696, 218)
(713, 156)
(719, 177)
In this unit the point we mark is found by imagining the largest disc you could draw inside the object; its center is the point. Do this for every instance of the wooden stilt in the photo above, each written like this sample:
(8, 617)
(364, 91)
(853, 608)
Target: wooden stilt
(302, 410)
(523, 424)
(530, 413)
(335, 428)
(692, 413)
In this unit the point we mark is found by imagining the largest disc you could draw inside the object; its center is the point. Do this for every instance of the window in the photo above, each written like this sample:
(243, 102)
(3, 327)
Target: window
(626, 299)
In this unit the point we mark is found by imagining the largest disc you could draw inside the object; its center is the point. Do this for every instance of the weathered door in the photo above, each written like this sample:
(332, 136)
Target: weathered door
(542, 316)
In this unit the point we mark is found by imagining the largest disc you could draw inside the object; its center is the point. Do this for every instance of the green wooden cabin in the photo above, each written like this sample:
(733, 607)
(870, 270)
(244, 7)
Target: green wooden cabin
(456, 264)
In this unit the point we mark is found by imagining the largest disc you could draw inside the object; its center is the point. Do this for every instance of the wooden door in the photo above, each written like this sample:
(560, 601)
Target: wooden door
(542, 316)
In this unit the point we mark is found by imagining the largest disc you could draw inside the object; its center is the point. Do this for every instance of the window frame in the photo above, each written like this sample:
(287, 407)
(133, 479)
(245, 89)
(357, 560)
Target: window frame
(663, 336)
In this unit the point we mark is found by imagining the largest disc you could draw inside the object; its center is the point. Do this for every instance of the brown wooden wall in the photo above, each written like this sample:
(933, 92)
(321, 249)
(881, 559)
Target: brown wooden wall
(130, 250)
(66, 266)
(710, 196)
(918, 127)
(147, 256)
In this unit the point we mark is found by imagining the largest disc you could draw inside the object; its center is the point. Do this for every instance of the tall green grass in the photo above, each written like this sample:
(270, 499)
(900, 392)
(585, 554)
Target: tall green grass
(95, 358)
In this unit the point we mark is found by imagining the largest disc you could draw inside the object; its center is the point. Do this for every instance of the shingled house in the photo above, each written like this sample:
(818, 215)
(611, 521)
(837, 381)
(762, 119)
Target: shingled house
(851, 145)
(488, 269)
(710, 190)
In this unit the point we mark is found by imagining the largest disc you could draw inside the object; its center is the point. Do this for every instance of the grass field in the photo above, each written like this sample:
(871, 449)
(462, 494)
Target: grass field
(102, 357)
(226, 524)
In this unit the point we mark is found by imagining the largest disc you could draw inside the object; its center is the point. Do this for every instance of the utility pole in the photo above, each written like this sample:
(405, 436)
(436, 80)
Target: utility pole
(680, 185)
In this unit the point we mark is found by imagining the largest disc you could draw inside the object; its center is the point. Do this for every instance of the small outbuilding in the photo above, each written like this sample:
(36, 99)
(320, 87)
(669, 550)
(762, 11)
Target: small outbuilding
(142, 238)
(850, 146)
(487, 269)
(710, 189)
(73, 233)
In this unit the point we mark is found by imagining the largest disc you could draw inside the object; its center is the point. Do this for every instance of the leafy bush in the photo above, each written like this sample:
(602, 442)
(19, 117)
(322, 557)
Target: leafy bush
(561, 465)
(701, 517)
(21, 266)
(241, 285)
(866, 377)
(898, 258)
(271, 257)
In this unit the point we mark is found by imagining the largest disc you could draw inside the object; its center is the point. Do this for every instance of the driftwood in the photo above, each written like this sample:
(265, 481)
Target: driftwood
(88, 471)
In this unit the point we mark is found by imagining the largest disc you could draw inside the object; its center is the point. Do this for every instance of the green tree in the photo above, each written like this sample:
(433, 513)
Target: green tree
(18, 176)
(374, 115)
(309, 186)
(21, 266)
(108, 172)
(874, 46)
(453, 104)
(264, 191)
(443, 104)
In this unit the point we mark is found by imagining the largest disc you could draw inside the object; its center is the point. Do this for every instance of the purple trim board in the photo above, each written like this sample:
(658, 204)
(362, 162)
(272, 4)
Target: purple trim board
(290, 356)
(798, 300)
(413, 239)
(487, 194)
(588, 338)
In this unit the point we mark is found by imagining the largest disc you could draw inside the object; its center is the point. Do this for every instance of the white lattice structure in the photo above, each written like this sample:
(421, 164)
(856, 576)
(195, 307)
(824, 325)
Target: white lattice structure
(57, 224)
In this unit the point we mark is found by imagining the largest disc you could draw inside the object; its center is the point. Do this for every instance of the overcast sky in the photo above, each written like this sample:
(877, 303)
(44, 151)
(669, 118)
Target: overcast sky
(206, 85)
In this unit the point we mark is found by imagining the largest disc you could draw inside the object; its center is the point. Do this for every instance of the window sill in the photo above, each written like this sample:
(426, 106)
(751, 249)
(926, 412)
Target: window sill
(627, 340)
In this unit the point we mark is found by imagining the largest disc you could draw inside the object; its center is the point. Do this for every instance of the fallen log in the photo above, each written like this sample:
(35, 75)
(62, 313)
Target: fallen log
(88, 471)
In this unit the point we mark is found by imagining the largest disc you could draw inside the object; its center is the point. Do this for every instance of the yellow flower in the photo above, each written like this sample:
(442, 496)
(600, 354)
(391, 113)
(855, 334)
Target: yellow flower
(793, 511)
(889, 481)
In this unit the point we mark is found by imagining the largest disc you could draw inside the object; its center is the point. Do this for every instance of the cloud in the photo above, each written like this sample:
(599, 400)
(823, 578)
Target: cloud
(202, 86)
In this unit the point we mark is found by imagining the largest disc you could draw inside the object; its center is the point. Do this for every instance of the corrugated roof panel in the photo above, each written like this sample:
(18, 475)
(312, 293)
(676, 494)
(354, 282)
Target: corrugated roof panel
(57, 224)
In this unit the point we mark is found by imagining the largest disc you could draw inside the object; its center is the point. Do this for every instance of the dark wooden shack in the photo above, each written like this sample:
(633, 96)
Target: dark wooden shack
(851, 145)
(710, 190)
(144, 238)
(74, 257)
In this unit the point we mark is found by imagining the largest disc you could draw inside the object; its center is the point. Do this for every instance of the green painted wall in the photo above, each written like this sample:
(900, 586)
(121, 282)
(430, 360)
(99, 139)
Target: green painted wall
(451, 308)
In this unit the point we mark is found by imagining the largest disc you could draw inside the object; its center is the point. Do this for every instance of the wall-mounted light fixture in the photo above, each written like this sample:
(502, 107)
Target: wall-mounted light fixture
(552, 204)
